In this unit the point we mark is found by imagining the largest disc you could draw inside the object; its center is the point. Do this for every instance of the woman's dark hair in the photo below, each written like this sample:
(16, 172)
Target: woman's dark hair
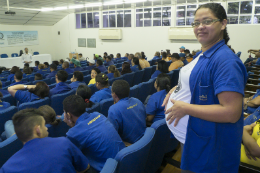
(85, 92)
(163, 66)
(46, 63)
(114, 70)
(136, 62)
(176, 56)
(111, 55)
(126, 68)
(143, 55)
(56, 63)
(41, 90)
(97, 70)
(78, 75)
(102, 79)
(163, 81)
(61, 61)
(14, 69)
(219, 11)
(99, 62)
(27, 70)
(21, 53)
(49, 115)
(190, 55)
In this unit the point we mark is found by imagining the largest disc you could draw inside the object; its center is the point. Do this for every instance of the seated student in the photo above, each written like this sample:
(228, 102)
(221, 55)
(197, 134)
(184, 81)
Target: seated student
(109, 61)
(4, 92)
(53, 68)
(92, 133)
(162, 67)
(135, 64)
(126, 68)
(103, 87)
(76, 80)
(252, 103)
(40, 69)
(35, 69)
(176, 62)
(156, 56)
(42, 154)
(143, 55)
(104, 55)
(13, 70)
(154, 109)
(164, 56)
(61, 87)
(71, 63)
(3, 105)
(77, 65)
(125, 58)
(46, 67)
(91, 65)
(85, 92)
(65, 66)
(35, 92)
(113, 72)
(169, 57)
(127, 114)
(26, 71)
(250, 149)
(130, 57)
(18, 76)
(94, 72)
(100, 66)
(183, 59)
(143, 63)
(37, 76)
(118, 56)
(189, 58)
(81, 58)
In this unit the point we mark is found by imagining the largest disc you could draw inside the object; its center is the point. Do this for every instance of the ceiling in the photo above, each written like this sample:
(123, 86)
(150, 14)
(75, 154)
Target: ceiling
(29, 12)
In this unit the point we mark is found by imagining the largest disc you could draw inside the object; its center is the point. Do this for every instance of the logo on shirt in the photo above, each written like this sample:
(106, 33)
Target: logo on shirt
(132, 106)
(178, 88)
(93, 120)
(204, 97)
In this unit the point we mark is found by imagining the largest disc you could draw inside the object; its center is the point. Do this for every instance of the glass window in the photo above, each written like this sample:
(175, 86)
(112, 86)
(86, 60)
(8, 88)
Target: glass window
(105, 19)
(120, 18)
(139, 17)
(233, 7)
(166, 16)
(112, 19)
(189, 21)
(257, 1)
(96, 19)
(181, 11)
(77, 21)
(157, 14)
(246, 7)
(180, 22)
(232, 19)
(83, 20)
(257, 9)
(256, 19)
(90, 20)
(245, 20)
(147, 17)
(127, 18)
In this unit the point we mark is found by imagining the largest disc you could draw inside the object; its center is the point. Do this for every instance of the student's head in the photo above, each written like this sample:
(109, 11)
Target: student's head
(189, 56)
(38, 76)
(135, 61)
(175, 57)
(118, 55)
(99, 62)
(77, 76)
(120, 89)
(113, 69)
(163, 82)
(26, 65)
(73, 106)
(41, 66)
(61, 76)
(41, 90)
(27, 70)
(111, 55)
(215, 18)
(163, 66)
(94, 72)
(65, 65)
(126, 55)
(182, 48)
(56, 63)
(164, 55)
(85, 92)
(46, 64)
(138, 55)
(80, 55)
(157, 53)
(101, 81)
(18, 76)
(26, 50)
(105, 53)
(108, 58)
(49, 115)
(61, 61)
(36, 63)
(126, 68)
(14, 69)
(186, 51)
(130, 57)
(143, 55)
(29, 124)
(53, 67)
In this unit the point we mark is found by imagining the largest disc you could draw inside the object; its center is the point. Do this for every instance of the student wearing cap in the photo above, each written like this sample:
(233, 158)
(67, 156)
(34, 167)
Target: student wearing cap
(176, 62)
(127, 114)
(109, 61)
(40, 153)
(65, 66)
(91, 132)
(91, 65)
(53, 68)
(100, 66)
(18, 76)
(77, 65)
(77, 79)
(103, 87)
(96, 57)
(61, 87)
(182, 53)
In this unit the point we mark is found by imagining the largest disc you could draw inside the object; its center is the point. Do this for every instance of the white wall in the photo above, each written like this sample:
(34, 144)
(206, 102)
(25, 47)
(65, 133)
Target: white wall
(45, 39)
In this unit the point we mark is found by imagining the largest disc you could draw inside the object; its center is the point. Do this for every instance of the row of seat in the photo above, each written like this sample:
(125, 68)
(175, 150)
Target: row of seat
(15, 55)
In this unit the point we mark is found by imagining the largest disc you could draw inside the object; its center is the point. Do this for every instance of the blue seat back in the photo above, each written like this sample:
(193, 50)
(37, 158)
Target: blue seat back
(145, 89)
(169, 63)
(7, 83)
(110, 81)
(14, 55)
(35, 53)
(110, 166)
(6, 115)
(4, 56)
(68, 82)
(8, 148)
(105, 105)
(95, 108)
(147, 74)
(154, 68)
(52, 80)
(153, 90)
(52, 86)
(129, 77)
(119, 69)
(58, 131)
(35, 104)
(118, 65)
(175, 77)
(10, 99)
(134, 91)
(70, 76)
(47, 81)
(57, 101)
(133, 158)
(31, 78)
(138, 77)
(93, 88)
(86, 72)
(87, 78)
(151, 62)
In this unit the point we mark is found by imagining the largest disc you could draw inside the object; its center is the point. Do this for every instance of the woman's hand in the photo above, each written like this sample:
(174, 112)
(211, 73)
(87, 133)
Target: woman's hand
(176, 112)
(249, 128)
(165, 101)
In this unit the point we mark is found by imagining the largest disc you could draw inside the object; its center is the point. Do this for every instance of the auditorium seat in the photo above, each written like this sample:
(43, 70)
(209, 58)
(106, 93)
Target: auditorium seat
(6, 115)
(10, 99)
(154, 68)
(35, 104)
(58, 131)
(129, 77)
(175, 77)
(105, 105)
(169, 63)
(134, 91)
(68, 82)
(119, 69)
(147, 74)
(153, 90)
(52, 86)
(86, 72)
(47, 81)
(57, 101)
(70, 76)
(31, 78)
(110, 166)
(110, 81)
(238, 54)
(87, 78)
(7, 83)
(52, 80)
(138, 77)
(35, 53)
(8, 148)
(93, 88)
(118, 65)
(95, 108)
(134, 157)
(14, 55)
(145, 90)
(4, 56)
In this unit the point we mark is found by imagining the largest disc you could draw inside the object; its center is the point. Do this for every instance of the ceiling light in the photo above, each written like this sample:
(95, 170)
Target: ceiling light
(93, 4)
(76, 6)
(112, 3)
(133, 1)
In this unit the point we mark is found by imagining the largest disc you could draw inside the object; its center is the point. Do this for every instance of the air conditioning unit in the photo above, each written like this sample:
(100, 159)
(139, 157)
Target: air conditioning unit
(110, 34)
(176, 33)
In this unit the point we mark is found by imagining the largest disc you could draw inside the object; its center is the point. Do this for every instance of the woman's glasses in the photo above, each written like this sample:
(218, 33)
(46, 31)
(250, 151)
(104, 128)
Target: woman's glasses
(204, 22)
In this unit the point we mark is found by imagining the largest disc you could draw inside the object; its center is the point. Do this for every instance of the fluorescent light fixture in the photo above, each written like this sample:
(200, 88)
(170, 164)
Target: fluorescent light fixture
(93, 4)
(76, 6)
(60, 8)
(47, 9)
(133, 1)
(112, 3)
(31, 9)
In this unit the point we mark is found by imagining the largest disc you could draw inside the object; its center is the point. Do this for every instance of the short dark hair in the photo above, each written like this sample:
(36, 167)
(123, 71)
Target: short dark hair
(109, 57)
(163, 81)
(118, 54)
(75, 105)
(136, 62)
(14, 69)
(121, 88)
(24, 121)
(99, 62)
(176, 56)
(38, 76)
(164, 55)
(186, 51)
(126, 68)
(80, 54)
(18, 75)
(143, 55)
(163, 66)
(78, 75)
(27, 70)
(55, 62)
(96, 69)
(46, 63)
(37, 63)
(41, 90)
(53, 66)
(62, 75)
(85, 92)
(26, 65)
(102, 79)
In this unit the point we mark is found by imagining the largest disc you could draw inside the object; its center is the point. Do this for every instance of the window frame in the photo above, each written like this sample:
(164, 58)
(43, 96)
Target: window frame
(86, 12)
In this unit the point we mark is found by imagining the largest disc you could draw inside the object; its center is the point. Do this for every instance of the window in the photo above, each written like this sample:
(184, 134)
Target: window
(105, 19)
(166, 16)
(241, 12)
(112, 19)
(119, 18)
(87, 20)
(157, 13)
(78, 23)
(83, 20)
(185, 14)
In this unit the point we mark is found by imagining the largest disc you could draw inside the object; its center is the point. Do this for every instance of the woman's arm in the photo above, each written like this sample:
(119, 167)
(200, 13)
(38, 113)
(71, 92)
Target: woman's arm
(249, 142)
(12, 89)
(150, 118)
(228, 110)
(254, 103)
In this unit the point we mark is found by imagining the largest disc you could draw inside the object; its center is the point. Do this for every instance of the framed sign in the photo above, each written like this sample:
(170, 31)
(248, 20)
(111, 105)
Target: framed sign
(91, 43)
(81, 42)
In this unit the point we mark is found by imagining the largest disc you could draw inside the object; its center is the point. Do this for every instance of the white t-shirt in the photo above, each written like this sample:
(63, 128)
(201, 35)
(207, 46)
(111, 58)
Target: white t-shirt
(182, 93)
(26, 57)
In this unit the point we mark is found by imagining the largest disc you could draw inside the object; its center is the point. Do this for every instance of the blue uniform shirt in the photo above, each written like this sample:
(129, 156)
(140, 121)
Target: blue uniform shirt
(156, 58)
(78, 69)
(69, 70)
(182, 54)
(89, 67)
(4, 105)
(102, 68)
(185, 62)
(134, 68)
(128, 117)
(210, 146)
(44, 155)
(25, 96)
(96, 138)
(10, 77)
(52, 74)
(155, 74)
(258, 61)
(74, 85)
(60, 88)
(46, 70)
(4, 92)
(130, 62)
(253, 117)
(109, 63)
(35, 68)
(154, 105)
(17, 83)
(42, 72)
(101, 95)
(110, 75)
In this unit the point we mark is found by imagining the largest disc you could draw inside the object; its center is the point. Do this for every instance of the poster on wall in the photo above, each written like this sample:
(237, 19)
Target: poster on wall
(18, 38)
